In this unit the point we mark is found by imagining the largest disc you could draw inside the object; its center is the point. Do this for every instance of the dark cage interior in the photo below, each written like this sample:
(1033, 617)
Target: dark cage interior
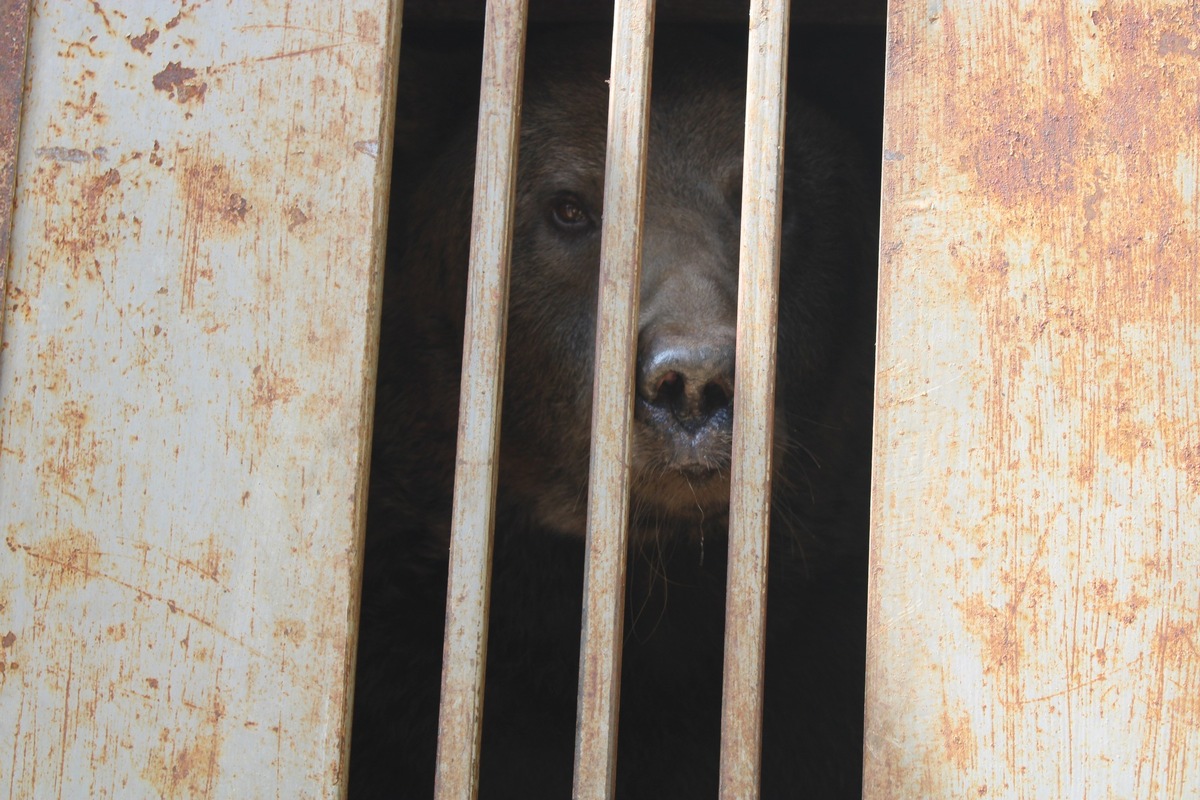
(674, 628)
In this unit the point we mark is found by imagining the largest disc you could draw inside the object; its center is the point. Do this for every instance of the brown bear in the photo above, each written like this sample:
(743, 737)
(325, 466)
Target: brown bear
(671, 683)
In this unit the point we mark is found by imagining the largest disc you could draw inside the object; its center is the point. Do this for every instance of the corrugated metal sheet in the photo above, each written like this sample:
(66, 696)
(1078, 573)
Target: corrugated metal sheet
(185, 395)
(1035, 609)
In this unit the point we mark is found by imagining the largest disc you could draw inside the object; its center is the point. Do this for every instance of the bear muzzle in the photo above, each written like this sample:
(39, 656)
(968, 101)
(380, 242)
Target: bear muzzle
(685, 399)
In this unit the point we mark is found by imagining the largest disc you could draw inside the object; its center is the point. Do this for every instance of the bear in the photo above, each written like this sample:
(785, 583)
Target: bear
(669, 719)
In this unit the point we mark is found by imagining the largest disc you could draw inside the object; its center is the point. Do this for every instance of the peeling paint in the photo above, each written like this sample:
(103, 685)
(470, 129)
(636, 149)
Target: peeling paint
(68, 154)
(177, 81)
(141, 42)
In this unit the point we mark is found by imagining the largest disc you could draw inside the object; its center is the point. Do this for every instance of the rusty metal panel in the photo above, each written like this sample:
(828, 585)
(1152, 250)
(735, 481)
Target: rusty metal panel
(1035, 584)
(612, 400)
(754, 402)
(464, 654)
(185, 394)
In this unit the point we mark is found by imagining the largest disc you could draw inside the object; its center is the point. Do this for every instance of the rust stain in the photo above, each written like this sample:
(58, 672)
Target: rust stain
(184, 12)
(55, 370)
(1175, 43)
(65, 559)
(1157, 49)
(958, 740)
(178, 82)
(1020, 141)
(95, 188)
(292, 630)
(1177, 641)
(74, 453)
(237, 208)
(214, 207)
(188, 769)
(87, 107)
(367, 25)
(996, 630)
(96, 9)
(1189, 458)
(1103, 592)
(90, 196)
(9, 640)
(270, 387)
(296, 218)
(140, 43)
(19, 302)
(1127, 437)
(210, 564)
(985, 279)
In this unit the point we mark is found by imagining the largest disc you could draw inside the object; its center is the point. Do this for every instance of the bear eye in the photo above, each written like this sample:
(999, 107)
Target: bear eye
(570, 214)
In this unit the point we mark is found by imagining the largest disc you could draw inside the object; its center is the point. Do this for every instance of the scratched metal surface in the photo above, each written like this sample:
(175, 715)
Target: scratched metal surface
(14, 21)
(1035, 606)
(185, 395)
(464, 653)
(754, 403)
(613, 387)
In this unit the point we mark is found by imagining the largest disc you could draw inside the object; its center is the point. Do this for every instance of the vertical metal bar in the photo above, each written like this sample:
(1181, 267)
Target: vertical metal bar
(754, 401)
(465, 651)
(14, 22)
(612, 400)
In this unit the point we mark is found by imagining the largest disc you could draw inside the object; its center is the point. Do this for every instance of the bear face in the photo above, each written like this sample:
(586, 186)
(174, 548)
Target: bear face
(683, 423)
(669, 726)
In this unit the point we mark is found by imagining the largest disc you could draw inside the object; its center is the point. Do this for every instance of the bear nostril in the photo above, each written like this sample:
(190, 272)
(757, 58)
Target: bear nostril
(669, 391)
(716, 396)
(687, 384)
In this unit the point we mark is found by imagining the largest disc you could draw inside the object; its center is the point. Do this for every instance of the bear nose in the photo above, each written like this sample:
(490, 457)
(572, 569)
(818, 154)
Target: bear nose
(691, 380)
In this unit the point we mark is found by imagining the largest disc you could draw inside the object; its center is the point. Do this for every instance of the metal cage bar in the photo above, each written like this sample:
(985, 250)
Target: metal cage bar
(754, 401)
(14, 16)
(465, 648)
(612, 400)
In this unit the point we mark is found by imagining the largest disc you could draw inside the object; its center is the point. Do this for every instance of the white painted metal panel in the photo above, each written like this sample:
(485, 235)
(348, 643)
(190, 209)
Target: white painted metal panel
(1035, 606)
(185, 395)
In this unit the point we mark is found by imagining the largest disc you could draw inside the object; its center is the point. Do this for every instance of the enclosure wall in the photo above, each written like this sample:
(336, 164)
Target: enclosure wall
(185, 394)
(1035, 599)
